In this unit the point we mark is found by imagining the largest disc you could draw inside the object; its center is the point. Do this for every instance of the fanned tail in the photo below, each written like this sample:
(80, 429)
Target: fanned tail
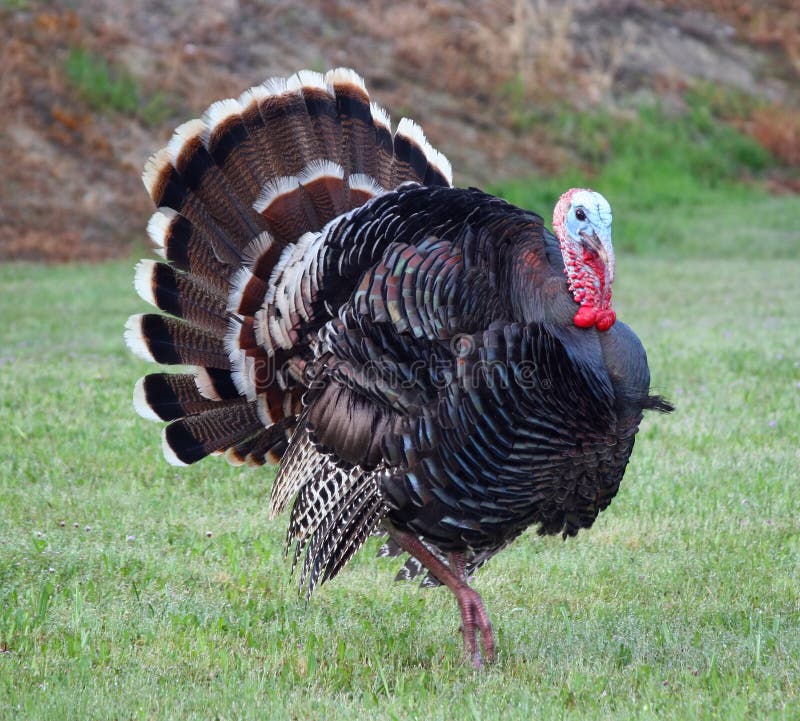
(241, 194)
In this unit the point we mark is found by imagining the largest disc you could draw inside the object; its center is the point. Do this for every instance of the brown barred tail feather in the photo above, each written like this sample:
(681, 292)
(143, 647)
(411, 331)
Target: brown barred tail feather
(164, 339)
(189, 439)
(167, 396)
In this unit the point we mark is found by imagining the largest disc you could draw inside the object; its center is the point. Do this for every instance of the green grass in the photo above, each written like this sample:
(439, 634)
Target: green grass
(682, 602)
(110, 89)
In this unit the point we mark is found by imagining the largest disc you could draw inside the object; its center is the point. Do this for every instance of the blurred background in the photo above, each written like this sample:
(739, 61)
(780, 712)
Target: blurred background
(676, 106)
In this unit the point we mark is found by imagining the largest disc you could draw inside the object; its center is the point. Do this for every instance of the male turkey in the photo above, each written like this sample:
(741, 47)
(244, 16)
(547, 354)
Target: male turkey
(421, 360)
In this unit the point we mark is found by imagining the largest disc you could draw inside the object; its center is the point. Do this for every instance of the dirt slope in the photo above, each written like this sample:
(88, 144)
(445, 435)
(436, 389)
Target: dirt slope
(90, 89)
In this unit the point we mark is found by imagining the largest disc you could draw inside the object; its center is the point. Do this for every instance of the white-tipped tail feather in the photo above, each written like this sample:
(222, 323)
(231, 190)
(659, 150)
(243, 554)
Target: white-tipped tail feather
(264, 413)
(205, 385)
(320, 168)
(278, 333)
(443, 164)
(158, 226)
(365, 184)
(219, 254)
(184, 134)
(273, 190)
(232, 456)
(380, 116)
(140, 404)
(242, 376)
(169, 454)
(238, 284)
(409, 129)
(135, 338)
(231, 340)
(252, 95)
(242, 365)
(275, 86)
(345, 76)
(307, 79)
(257, 247)
(152, 169)
(219, 112)
(143, 280)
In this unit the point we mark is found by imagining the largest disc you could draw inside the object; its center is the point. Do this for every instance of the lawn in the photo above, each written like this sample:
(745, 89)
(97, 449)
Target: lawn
(133, 590)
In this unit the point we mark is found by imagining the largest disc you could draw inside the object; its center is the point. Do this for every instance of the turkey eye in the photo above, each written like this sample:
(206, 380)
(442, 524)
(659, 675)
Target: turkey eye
(579, 214)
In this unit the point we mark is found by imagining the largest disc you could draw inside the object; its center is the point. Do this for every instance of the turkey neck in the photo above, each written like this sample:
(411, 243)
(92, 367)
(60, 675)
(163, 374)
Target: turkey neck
(539, 292)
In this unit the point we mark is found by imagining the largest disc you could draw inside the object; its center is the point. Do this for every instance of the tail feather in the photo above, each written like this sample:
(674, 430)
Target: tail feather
(167, 396)
(266, 446)
(247, 292)
(324, 115)
(216, 384)
(205, 180)
(384, 146)
(291, 121)
(258, 132)
(286, 209)
(194, 437)
(171, 341)
(361, 188)
(178, 294)
(261, 255)
(290, 140)
(415, 159)
(359, 144)
(323, 182)
(168, 189)
(233, 150)
(254, 370)
(188, 249)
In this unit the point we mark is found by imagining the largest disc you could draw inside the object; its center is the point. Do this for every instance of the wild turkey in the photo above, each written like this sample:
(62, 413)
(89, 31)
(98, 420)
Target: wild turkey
(421, 360)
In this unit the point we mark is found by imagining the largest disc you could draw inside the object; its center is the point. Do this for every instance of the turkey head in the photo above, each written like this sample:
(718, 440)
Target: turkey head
(582, 224)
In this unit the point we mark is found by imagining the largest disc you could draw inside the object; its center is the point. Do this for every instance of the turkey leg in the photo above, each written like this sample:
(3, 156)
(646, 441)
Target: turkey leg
(473, 613)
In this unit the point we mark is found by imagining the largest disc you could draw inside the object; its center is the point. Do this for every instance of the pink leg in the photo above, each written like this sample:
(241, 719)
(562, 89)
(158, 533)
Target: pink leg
(473, 613)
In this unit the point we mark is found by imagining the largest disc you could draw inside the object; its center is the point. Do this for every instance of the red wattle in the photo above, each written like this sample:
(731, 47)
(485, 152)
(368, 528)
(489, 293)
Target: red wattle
(605, 319)
(585, 317)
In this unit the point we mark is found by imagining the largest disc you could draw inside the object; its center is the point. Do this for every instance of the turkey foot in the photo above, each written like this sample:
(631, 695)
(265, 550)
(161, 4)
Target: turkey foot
(473, 614)
(473, 619)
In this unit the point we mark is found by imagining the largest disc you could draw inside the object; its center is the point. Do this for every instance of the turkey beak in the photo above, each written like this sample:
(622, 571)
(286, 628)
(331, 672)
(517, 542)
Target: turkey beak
(596, 245)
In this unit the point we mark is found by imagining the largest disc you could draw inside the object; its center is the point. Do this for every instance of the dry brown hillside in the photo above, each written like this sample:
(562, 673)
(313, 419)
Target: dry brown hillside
(89, 89)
